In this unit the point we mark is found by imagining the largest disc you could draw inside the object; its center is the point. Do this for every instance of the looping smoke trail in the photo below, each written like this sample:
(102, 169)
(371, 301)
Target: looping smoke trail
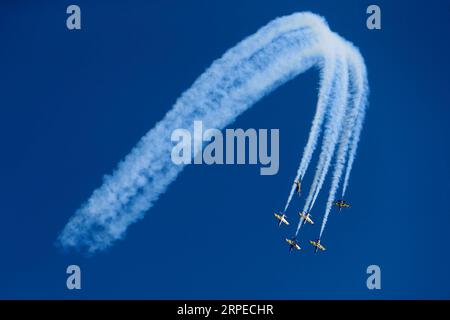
(252, 69)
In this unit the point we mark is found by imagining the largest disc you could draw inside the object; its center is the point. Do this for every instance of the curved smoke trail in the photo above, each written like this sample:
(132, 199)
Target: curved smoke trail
(332, 131)
(335, 118)
(349, 130)
(253, 68)
(352, 127)
(326, 82)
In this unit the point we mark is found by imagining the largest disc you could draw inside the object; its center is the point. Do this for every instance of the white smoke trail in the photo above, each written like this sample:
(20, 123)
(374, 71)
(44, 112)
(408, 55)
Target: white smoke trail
(336, 114)
(327, 77)
(356, 108)
(256, 66)
(358, 127)
(253, 68)
(333, 128)
(327, 104)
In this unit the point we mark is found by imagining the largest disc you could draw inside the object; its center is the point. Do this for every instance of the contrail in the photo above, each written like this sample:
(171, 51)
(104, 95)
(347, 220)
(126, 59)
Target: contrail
(347, 119)
(352, 126)
(333, 128)
(327, 77)
(256, 66)
(332, 131)
(357, 129)
(324, 104)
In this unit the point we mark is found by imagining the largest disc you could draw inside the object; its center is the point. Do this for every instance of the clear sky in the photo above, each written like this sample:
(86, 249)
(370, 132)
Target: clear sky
(73, 103)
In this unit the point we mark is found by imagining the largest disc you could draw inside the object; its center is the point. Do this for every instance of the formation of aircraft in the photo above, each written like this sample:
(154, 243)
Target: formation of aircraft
(282, 219)
(305, 217)
(341, 204)
(293, 244)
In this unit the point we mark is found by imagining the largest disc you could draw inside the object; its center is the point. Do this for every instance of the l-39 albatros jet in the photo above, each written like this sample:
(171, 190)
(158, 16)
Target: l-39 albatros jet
(317, 245)
(282, 218)
(293, 244)
(341, 204)
(305, 217)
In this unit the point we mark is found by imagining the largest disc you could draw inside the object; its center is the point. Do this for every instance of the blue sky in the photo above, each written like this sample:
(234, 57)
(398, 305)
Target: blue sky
(73, 103)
